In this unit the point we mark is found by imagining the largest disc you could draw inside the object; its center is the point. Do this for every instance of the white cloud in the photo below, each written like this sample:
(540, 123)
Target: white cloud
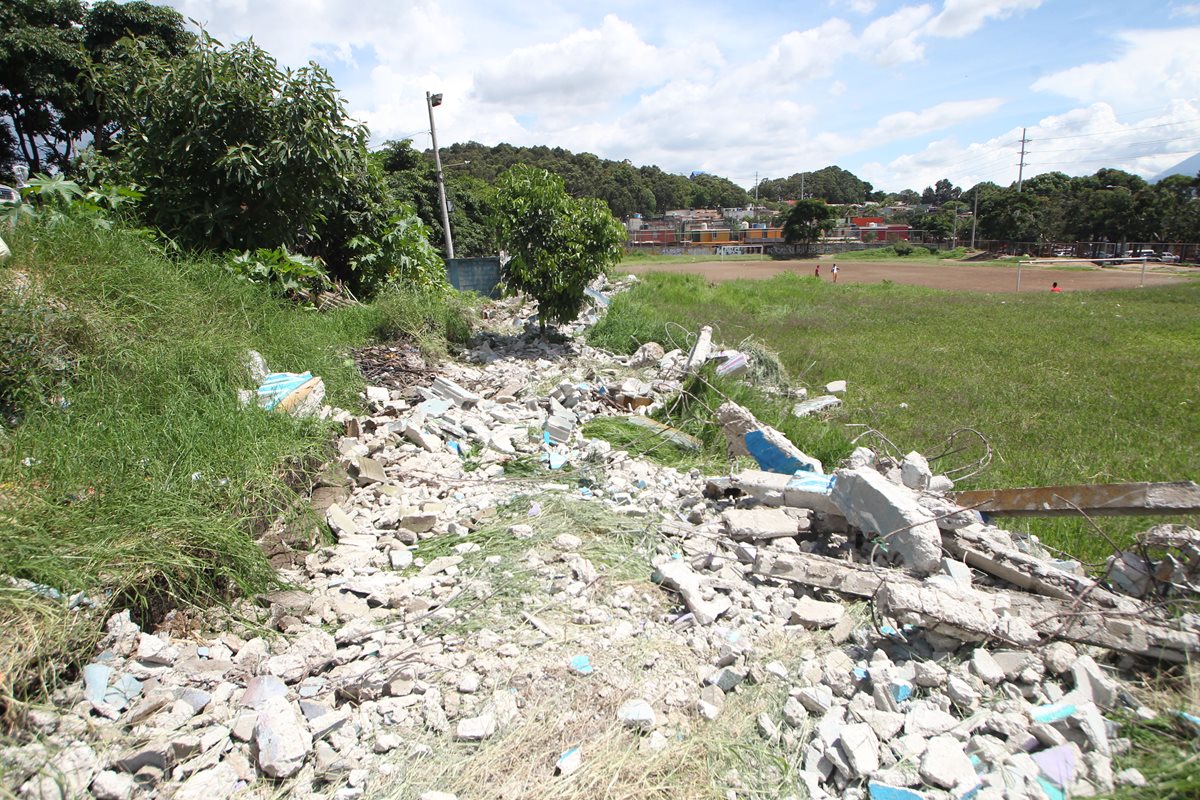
(587, 68)
(1186, 10)
(410, 33)
(863, 7)
(1077, 142)
(893, 39)
(962, 17)
(1162, 63)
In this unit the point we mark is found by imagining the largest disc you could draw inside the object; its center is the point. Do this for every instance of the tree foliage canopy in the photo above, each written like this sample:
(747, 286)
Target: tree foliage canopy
(806, 221)
(557, 244)
(50, 54)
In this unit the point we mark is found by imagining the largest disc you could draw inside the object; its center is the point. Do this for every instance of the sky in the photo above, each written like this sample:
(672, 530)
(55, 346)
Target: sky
(899, 93)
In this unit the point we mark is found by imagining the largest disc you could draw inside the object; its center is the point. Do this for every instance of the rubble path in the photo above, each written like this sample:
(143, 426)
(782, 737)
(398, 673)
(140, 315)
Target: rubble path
(607, 627)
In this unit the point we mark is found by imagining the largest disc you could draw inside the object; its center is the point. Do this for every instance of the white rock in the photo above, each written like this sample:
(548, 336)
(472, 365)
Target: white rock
(476, 729)
(945, 764)
(875, 505)
(109, 785)
(282, 739)
(915, 472)
(816, 613)
(637, 714)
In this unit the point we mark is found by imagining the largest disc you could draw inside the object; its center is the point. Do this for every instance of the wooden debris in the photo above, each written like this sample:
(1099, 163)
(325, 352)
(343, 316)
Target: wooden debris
(1112, 499)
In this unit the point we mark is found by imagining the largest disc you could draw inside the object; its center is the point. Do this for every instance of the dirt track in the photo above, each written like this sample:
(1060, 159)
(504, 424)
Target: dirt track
(946, 275)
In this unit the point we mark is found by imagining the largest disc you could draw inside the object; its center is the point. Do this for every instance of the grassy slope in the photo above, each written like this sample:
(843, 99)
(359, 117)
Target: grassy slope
(1072, 388)
(143, 489)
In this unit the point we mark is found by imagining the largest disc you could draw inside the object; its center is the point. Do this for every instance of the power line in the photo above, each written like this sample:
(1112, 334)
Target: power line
(1108, 133)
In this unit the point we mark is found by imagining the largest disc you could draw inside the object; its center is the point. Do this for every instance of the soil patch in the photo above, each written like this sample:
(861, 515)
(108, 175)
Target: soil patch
(946, 275)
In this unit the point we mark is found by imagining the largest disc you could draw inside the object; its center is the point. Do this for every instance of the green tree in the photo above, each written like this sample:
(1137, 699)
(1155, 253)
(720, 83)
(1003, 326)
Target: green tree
(806, 221)
(51, 55)
(234, 152)
(557, 244)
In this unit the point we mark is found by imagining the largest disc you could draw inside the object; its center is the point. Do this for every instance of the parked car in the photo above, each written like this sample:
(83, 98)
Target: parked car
(9, 195)
(1169, 258)
(1145, 253)
(1064, 252)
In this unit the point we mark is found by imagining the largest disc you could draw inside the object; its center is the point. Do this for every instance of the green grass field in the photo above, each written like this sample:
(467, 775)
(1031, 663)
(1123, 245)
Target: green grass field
(1080, 388)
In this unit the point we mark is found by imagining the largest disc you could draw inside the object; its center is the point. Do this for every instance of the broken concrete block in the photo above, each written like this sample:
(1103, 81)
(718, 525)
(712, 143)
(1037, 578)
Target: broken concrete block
(984, 667)
(945, 764)
(340, 521)
(700, 351)
(773, 451)
(646, 355)
(816, 614)
(282, 739)
(637, 714)
(915, 472)
(678, 575)
(369, 471)
(476, 729)
(814, 405)
(758, 523)
(875, 505)
(449, 390)
(861, 748)
(712, 699)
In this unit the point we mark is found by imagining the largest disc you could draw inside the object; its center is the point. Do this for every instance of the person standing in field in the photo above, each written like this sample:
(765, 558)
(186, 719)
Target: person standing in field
(817, 271)
(1055, 288)
(834, 270)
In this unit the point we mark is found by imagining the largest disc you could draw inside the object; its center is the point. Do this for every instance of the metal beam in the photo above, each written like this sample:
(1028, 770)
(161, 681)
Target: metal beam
(1111, 499)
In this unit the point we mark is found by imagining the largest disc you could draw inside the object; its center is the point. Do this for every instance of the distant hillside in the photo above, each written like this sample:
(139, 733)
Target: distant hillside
(1190, 166)
(627, 189)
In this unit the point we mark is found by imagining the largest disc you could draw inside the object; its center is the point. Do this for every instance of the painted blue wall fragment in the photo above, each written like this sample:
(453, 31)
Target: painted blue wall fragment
(770, 457)
(1053, 713)
(582, 665)
(812, 482)
(884, 791)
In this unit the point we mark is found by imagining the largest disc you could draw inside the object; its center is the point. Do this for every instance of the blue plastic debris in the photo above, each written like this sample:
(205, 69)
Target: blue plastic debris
(123, 691)
(95, 681)
(900, 690)
(860, 673)
(597, 296)
(570, 760)
(582, 665)
(455, 447)
(1052, 791)
(812, 482)
(1055, 712)
(279, 385)
(546, 437)
(884, 791)
(770, 457)
(557, 461)
(1192, 718)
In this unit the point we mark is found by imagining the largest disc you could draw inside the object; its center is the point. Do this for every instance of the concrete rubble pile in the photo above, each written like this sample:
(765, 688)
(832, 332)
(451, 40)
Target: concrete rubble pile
(977, 673)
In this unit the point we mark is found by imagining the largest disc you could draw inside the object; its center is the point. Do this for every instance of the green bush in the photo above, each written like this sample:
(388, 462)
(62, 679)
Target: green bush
(428, 317)
(902, 249)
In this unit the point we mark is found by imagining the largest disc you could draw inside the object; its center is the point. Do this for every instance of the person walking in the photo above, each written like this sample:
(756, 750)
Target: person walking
(834, 270)
(817, 271)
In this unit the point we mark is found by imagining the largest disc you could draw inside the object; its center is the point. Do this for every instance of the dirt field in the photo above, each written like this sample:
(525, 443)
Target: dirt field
(945, 275)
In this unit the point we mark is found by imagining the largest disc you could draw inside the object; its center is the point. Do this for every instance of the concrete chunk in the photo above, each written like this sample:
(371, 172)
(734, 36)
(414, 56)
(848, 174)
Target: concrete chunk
(678, 575)
(945, 764)
(816, 614)
(282, 739)
(758, 523)
(861, 748)
(773, 451)
(872, 503)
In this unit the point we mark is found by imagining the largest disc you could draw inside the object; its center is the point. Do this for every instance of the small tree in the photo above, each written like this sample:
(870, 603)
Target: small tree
(557, 244)
(806, 221)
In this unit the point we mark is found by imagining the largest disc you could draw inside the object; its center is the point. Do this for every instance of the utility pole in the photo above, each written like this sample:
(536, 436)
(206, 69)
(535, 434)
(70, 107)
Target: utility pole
(974, 219)
(432, 100)
(802, 185)
(1021, 168)
(755, 187)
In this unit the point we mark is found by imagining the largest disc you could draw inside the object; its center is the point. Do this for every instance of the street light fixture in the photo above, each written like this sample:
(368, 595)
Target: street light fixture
(432, 100)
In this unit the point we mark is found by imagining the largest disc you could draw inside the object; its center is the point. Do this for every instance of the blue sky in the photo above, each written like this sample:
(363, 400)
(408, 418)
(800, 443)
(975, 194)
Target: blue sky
(900, 93)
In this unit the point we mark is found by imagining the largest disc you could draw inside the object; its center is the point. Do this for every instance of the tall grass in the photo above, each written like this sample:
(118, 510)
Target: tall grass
(131, 472)
(1080, 388)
